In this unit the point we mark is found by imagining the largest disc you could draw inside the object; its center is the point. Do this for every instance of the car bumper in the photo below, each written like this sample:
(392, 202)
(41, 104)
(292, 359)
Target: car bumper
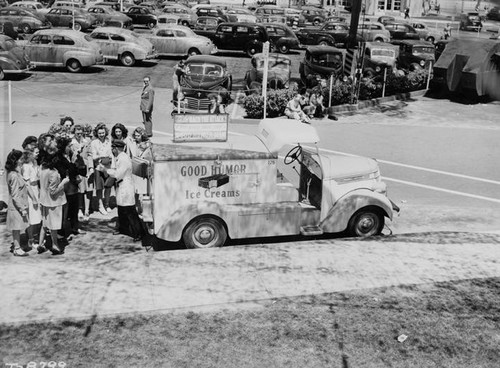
(29, 68)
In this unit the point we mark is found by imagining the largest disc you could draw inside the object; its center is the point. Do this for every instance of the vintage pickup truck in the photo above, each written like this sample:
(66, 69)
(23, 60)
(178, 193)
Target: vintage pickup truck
(248, 186)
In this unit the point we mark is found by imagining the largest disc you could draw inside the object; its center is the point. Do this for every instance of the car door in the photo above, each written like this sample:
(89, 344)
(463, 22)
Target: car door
(61, 45)
(102, 38)
(134, 13)
(40, 50)
(66, 18)
(116, 43)
(223, 36)
(163, 41)
(53, 16)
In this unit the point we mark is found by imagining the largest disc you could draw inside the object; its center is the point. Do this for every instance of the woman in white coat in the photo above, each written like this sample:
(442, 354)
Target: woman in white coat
(128, 219)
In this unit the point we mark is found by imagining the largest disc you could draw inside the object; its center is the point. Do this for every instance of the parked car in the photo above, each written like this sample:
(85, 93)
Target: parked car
(187, 16)
(329, 34)
(123, 44)
(171, 39)
(23, 20)
(415, 55)
(384, 19)
(34, 6)
(322, 62)
(373, 31)
(212, 11)
(282, 37)
(107, 16)
(66, 4)
(203, 75)
(206, 26)
(278, 75)
(493, 13)
(377, 58)
(426, 33)
(13, 60)
(62, 47)
(142, 16)
(168, 19)
(470, 21)
(314, 15)
(75, 18)
(402, 31)
(241, 15)
(111, 4)
(247, 37)
(293, 17)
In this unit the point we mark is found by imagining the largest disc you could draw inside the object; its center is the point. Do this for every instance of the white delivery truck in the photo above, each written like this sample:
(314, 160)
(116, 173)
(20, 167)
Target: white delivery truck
(204, 193)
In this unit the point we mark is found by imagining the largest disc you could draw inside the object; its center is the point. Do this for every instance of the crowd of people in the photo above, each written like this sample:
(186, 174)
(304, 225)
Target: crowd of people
(307, 104)
(58, 180)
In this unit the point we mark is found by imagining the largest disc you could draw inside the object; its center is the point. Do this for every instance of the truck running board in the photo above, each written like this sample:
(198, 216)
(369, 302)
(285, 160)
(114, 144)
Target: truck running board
(310, 230)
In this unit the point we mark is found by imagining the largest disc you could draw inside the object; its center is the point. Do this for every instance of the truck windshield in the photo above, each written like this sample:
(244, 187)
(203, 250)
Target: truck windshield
(275, 63)
(423, 51)
(384, 52)
(328, 60)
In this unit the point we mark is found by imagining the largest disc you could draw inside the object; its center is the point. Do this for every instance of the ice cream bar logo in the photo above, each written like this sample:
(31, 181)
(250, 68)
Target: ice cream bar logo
(214, 181)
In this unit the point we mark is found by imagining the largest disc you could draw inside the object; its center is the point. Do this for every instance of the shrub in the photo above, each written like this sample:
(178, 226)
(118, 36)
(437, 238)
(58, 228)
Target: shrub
(341, 93)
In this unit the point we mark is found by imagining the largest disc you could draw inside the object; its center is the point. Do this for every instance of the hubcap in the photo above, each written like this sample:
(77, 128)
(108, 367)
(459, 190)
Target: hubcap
(367, 224)
(204, 235)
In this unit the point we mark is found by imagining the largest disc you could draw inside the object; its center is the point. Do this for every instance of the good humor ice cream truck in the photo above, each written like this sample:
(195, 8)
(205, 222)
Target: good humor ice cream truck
(206, 192)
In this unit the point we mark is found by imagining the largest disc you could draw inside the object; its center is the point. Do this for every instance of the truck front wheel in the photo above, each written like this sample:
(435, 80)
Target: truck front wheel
(204, 232)
(366, 222)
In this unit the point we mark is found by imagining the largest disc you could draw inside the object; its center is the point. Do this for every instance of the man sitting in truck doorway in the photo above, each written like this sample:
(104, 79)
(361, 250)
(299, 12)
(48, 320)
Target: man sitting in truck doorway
(128, 218)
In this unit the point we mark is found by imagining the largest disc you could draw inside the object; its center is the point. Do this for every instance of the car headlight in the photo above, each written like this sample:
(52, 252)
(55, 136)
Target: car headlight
(180, 96)
(377, 69)
(422, 63)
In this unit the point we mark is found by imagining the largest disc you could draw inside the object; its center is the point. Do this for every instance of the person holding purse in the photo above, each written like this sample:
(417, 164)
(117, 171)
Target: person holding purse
(101, 154)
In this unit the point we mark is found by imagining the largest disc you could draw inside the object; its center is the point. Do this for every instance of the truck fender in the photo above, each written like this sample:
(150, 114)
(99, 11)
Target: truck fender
(339, 215)
(172, 229)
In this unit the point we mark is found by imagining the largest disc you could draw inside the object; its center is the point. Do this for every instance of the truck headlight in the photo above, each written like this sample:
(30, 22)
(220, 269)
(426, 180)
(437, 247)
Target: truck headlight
(379, 187)
(377, 69)
(422, 63)
(180, 96)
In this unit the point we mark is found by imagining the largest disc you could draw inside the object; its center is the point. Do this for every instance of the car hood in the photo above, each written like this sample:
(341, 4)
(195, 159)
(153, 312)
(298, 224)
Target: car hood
(338, 167)
(385, 60)
(277, 73)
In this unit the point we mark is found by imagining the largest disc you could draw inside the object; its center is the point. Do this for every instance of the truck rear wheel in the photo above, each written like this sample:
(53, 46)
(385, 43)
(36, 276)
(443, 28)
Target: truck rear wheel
(366, 222)
(204, 232)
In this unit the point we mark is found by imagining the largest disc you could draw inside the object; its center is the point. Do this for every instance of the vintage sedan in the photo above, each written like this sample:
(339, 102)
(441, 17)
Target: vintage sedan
(171, 39)
(321, 62)
(62, 47)
(67, 17)
(23, 19)
(378, 58)
(373, 31)
(13, 60)
(416, 55)
(426, 33)
(188, 17)
(108, 16)
(203, 76)
(282, 37)
(169, 19)
(241, 15)
(206, 26)
(401, 31)
(34, 6)
(142, 16)
(123, 44)
(278, 73)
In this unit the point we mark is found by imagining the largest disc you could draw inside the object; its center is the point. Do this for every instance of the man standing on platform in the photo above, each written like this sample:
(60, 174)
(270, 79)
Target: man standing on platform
(147, 100)
(128, 219)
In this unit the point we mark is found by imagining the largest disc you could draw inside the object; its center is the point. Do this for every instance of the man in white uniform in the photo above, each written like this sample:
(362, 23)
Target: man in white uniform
(128, 219)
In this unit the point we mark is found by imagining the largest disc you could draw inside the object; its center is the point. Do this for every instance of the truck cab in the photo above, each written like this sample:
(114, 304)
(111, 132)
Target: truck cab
(377, 57)
(205, 193)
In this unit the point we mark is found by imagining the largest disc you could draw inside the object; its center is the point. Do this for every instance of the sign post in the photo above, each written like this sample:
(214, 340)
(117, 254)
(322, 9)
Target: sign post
(265, 52)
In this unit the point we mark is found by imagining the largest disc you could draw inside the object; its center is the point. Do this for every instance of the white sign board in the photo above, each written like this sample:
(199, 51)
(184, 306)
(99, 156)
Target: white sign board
(200, 127)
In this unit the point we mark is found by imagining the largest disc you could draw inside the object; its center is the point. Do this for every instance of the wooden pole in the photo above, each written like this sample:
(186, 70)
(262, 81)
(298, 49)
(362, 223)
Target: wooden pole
(385, 78)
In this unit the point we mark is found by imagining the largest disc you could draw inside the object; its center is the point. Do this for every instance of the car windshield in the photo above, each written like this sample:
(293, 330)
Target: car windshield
(327, 60)
(422, 51)
(278, 63)
(383, 52)
(204, 69)
(473, 18)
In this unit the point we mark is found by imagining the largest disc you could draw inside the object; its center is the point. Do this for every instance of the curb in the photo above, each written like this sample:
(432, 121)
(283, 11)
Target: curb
(346, 109)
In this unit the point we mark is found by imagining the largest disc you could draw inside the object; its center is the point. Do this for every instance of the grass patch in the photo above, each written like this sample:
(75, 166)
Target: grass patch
(451, 324)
